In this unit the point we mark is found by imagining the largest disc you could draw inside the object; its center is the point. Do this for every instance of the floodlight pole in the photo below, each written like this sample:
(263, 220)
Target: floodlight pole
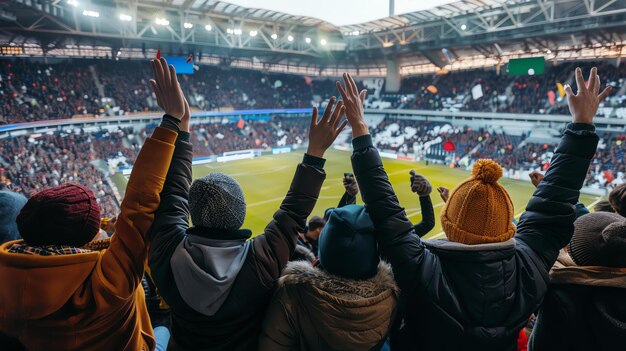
(392, 9)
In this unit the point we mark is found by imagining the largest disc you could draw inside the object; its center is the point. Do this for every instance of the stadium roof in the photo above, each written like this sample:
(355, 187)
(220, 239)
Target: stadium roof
(480, 31)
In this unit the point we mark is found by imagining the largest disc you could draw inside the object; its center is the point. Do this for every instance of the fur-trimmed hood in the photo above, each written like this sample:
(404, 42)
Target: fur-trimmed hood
(328, 312)
(302, 272)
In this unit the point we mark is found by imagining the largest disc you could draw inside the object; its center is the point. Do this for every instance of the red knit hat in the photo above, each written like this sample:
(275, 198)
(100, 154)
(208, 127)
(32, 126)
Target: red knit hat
(64, 215)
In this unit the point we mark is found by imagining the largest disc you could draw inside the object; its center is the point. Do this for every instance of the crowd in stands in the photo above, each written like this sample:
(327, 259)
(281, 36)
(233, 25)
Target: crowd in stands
(425, 140)
(369, 280)
(33, 90)
(31, 163)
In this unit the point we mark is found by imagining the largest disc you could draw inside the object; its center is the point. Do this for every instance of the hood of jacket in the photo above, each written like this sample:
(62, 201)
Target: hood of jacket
(205, 270)
(565, 271)
(482, 285)
(38, 286)
(347, 314)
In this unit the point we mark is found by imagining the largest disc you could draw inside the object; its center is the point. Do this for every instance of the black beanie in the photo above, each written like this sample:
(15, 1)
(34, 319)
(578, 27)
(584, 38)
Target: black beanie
(599, 240)
(347, 245)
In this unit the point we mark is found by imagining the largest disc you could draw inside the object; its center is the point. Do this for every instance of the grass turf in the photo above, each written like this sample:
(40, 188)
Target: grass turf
(265, 181)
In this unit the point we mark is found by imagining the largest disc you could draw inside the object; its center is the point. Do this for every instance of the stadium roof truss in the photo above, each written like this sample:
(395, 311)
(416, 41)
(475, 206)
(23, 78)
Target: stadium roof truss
(469, 27)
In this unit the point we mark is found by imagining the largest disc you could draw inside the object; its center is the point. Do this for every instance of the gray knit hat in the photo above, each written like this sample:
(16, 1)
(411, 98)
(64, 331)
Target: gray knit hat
(10, 205)
(216, 202)
(599, 240)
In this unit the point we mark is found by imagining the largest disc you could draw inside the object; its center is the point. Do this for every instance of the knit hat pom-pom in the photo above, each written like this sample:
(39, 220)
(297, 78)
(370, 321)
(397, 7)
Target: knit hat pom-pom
(487, 171)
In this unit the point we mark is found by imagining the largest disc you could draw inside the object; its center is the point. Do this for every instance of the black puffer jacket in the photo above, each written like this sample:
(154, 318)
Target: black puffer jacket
(237, 322)
(583, 310)
(478, 297)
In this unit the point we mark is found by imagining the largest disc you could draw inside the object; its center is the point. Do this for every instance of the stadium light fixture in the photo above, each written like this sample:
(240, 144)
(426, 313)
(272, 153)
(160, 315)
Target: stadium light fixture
(90, 13)
(323, 42)
(548, 51)
(307, 40)
(290, 37)
(125, 17)
(237, 31)
(208, 28)
(274, 36)
(188, 25)
(72, 2)
(253, 33)
(229, 30)
(463, 26)
(162, 21)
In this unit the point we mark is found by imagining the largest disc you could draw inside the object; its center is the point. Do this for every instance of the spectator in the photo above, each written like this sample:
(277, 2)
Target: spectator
(312, 234)
(584, 308)
(65, 297)
(10, 205)
(345, 304)
(352, 190)
(603, 206)
(478, 288)
(421, 186)
(617, 198)
(216, 281)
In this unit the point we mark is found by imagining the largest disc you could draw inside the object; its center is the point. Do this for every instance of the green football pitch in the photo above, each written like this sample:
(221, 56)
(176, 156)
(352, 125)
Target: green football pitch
(265, 181)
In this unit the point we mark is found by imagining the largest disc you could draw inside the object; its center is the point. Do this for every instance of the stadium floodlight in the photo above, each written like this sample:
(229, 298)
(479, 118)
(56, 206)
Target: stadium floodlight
(209, 28)
(290, 37)
(355, 33)
(125, 17)
(253, 33)
(463, 26)
(162, 21)
(323, 42)
(307, 40)
(237, 31)
(229, 30)
(188, 25)
(548, 51)
(72, 2)
(274, 36)
(90, 13)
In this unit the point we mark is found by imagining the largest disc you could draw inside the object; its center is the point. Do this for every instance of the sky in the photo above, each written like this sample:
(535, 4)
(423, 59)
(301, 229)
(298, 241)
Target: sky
(341, 12)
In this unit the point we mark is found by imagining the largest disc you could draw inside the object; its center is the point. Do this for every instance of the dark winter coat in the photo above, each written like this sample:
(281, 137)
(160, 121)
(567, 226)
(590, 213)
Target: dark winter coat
(583, 310)
(226, 280)
(459, 297)
(314, 310)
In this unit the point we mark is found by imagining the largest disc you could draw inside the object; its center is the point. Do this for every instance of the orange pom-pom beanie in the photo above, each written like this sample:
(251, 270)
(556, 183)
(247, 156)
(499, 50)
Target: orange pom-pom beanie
(479, 210)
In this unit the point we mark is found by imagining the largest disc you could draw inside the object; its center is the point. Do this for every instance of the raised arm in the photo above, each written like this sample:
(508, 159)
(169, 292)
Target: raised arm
(352, 190)
(394, 231)
(421, 186)
(548, 223)
(122, 265)
(172, 218)
(274, 249)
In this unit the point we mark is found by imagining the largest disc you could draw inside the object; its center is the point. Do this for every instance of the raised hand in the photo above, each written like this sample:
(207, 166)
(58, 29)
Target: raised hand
(323, 133)
(351, 186)
(354, 105)
(419, 184)
(584, 105)
(166, 88)
(444, 193)
(536, 177)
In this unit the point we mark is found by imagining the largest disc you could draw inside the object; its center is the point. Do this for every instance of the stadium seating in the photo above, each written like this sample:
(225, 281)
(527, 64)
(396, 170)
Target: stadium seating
(37, 91)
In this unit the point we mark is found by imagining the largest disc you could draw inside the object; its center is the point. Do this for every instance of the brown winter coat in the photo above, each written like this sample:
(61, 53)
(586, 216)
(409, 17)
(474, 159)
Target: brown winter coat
(314, 310)
(94, 300)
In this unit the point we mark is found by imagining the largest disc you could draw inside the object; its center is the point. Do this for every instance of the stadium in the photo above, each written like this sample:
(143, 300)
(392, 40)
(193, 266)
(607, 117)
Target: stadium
(453, 87)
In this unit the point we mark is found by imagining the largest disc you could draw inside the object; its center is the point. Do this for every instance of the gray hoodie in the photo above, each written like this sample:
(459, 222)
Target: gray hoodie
(205, 270)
